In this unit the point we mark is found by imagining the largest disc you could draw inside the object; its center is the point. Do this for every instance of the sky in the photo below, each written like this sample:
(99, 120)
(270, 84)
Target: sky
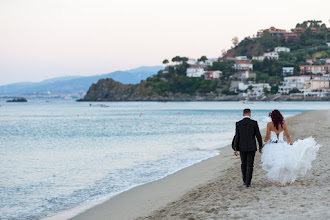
(41, 39)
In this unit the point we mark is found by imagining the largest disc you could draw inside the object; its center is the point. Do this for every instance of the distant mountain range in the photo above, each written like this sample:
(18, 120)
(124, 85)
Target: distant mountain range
(78, 84)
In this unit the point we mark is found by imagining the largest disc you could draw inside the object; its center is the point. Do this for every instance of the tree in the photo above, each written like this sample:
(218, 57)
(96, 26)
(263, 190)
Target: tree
(223, 53)
(235, 41)
(176, 59)
(266, 91)
(266, 63)
(225, 91)
(202, 59)
(165, 61)
(184, 59)
(274, 89)
(294, 90)
(266, 40)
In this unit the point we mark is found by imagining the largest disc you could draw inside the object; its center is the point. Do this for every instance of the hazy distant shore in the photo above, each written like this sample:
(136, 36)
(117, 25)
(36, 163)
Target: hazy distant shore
(212, 188)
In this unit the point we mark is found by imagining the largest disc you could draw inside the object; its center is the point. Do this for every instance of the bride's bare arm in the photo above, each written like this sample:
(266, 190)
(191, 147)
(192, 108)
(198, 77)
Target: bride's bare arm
(287, 134)
(267, 133)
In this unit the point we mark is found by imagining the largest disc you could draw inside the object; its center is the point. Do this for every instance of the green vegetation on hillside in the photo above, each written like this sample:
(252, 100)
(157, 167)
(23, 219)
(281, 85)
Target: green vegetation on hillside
(176, 81)
(310, 44)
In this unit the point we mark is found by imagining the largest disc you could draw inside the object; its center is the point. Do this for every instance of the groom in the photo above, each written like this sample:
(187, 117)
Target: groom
(244, 141)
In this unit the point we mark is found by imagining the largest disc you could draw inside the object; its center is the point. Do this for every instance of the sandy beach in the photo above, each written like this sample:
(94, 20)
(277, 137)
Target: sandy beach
(212, 188)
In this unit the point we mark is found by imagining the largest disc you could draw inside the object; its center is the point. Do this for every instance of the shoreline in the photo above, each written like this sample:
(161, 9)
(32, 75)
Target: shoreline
(313, 99)
(75, 212)
(151, 197)
(113, 203)
(140, 202)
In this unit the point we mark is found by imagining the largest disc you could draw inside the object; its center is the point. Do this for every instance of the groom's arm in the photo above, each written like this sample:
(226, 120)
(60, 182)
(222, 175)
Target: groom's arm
(258, 135)
(236, 138)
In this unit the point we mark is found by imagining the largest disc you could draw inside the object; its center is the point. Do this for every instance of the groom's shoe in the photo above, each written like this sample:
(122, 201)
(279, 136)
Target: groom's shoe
(251, 186)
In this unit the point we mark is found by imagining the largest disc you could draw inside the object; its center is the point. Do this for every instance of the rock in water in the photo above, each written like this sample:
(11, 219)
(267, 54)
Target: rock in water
(20, 99)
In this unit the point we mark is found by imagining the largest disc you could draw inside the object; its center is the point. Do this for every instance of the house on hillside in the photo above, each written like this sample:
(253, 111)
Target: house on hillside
(244, 75)
(243, 65)
(271, 55)
(315, 84)
(320, 61)
(214, 74)
(282, 49)
(310, 61)
(287, 71)
(272, 30)
(241, 58)
(205, 63)
(314, 69)
(327, 61)
(254, 89)
(195, 72)
(230, 58)
(260, 58)
(300, 30)
(323, 77)
(291, 37)
(191, 61)
(292, 82)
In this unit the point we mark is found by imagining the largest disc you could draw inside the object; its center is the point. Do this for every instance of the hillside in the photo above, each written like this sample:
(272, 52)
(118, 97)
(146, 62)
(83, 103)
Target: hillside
(308, 38)
(305, 41)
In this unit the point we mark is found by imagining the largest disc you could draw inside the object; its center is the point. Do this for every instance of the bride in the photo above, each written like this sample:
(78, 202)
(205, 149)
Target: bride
(285, 162)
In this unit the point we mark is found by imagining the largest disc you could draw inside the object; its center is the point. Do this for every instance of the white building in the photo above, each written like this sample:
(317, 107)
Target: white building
(321, 93)
(243, 75)
(195, 72)
(287, 71)
(206, 63)
(323, 77)
(214, 74)
(257, 89)
(316, 84)
(281, 49)
(241, 58)
(292, 82)
(191, 61)
(327, 61)
(260, 58)
(243, 65)
(271, 55)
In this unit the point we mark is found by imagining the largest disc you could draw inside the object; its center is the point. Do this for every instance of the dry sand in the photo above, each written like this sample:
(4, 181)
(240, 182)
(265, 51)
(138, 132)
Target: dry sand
(212, 189)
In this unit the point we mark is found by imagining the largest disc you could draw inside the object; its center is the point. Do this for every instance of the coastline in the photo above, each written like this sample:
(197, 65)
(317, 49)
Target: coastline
(156, 199)
(212, 98)
(141, 202)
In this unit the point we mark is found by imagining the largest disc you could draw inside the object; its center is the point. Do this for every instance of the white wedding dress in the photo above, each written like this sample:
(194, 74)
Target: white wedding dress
(284, 162)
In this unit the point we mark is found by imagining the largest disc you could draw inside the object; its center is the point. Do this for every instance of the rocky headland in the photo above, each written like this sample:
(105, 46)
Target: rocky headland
(111, 90)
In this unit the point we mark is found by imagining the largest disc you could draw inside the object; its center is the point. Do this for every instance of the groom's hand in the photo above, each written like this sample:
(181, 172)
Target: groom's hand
(236, 153)
(260, 150)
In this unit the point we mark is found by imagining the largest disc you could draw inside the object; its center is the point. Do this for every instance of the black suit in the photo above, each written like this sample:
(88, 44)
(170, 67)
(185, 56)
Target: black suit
(247, 130)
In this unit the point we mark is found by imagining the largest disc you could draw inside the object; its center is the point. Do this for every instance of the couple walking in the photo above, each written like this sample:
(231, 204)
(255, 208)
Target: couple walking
(283, 162)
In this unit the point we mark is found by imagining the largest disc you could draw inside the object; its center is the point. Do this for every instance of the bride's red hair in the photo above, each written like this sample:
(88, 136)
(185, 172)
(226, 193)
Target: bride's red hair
(277, 118)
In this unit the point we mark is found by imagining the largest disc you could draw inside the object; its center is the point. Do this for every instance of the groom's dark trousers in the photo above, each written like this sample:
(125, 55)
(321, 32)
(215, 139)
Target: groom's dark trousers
(247, 130)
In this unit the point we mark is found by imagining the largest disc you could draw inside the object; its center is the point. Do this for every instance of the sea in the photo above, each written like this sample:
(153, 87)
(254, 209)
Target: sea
(57, 156)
